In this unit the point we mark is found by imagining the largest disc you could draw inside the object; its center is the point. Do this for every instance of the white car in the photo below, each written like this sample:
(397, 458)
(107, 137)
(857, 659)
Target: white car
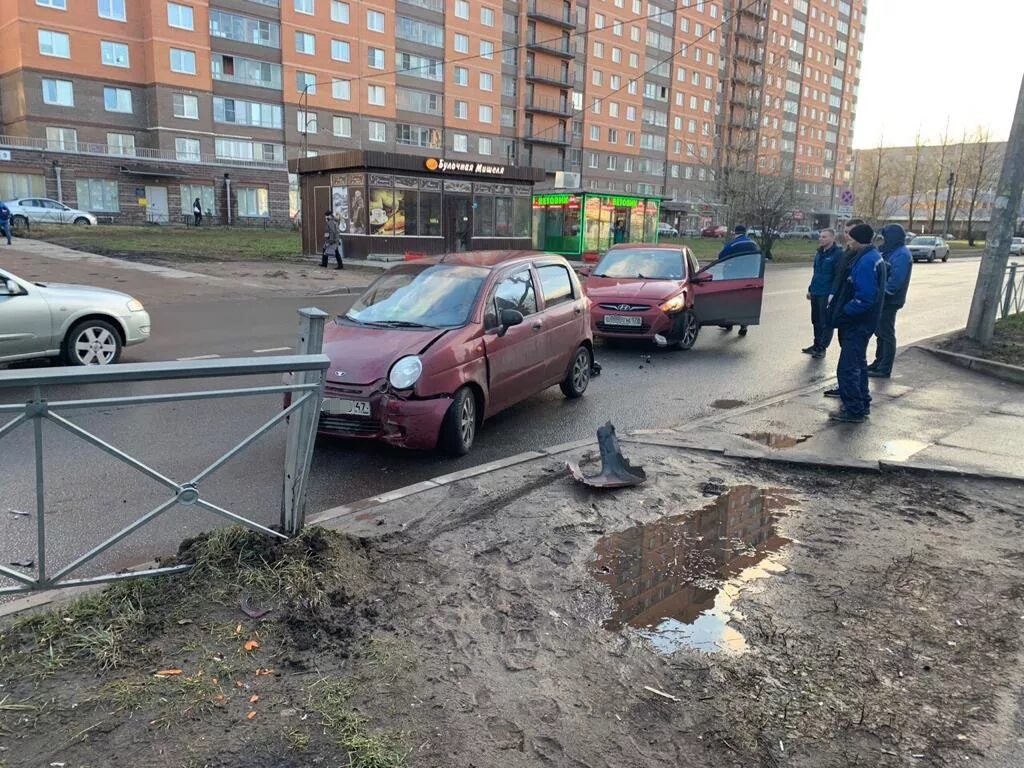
(667, 230)
(41, 210)
(1017, 246)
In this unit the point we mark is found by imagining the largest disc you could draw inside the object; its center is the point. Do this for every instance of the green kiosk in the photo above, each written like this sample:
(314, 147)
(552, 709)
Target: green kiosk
(579, 225)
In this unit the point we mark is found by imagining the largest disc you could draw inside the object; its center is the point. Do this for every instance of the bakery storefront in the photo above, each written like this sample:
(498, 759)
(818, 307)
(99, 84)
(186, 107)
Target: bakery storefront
(394, 205)
(576, 224)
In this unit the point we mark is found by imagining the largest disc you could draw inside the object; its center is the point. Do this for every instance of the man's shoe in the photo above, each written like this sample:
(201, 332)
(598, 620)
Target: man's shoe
(810, 350)
(831, 393)
(818, 354)
(874, 373)
(743, 330)
(846, 417)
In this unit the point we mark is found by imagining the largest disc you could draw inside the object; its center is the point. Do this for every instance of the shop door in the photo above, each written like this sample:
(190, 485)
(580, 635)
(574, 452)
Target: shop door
(157, 211)
(620, 225)
(458, 223)
(315, 221)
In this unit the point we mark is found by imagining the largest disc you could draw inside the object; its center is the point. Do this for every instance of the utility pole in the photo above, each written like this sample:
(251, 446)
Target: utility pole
(949, 200)
(981, 322)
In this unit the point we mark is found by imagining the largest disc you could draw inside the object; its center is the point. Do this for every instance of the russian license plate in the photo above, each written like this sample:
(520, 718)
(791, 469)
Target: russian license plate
(334, 406)
(625, 320)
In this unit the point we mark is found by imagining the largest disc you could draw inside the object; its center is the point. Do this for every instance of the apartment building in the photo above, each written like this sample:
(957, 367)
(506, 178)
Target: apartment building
(133, 108)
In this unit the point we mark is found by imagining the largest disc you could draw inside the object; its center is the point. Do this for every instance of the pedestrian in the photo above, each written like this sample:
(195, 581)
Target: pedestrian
(854, 311)
(5, 221)
(619, 231)
(899, 263)
(826, 259)
(740, 244)
(197, 212)
(332, 241)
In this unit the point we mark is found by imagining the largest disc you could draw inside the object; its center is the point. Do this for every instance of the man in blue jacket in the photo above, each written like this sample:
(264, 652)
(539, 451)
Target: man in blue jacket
(739, 244)
(5, 221)
(899, 263)
(826, 262)
(854, 310)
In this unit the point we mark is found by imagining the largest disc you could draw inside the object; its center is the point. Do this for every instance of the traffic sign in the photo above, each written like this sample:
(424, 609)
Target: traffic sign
(844, 211)
(846, 197)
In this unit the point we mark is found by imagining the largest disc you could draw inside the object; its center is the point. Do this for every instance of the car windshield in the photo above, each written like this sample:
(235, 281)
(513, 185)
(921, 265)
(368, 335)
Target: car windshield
(650, 263)
(437, 296)
(923, 241)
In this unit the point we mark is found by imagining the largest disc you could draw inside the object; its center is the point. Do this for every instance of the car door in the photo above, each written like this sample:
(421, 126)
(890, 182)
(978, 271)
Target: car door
(515, 360)
(563, 318)
(25, 325)
(33, 209)
(729, 291)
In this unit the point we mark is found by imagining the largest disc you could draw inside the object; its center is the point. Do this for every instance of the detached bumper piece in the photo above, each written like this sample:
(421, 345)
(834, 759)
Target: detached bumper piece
(616, 471)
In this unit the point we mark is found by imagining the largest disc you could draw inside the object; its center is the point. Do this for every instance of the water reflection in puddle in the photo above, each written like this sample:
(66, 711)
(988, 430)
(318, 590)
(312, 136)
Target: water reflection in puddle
(901, 450)
(676, 579)
(775, 440)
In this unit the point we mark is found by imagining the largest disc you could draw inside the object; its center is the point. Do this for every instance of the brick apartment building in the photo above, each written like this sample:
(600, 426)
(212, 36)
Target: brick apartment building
(133, 108)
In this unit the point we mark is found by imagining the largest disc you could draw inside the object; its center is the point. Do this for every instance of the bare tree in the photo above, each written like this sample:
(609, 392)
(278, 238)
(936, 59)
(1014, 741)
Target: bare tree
(982, 170)
(915, 173)
(940, 170)
(877, 185)
(767, 202)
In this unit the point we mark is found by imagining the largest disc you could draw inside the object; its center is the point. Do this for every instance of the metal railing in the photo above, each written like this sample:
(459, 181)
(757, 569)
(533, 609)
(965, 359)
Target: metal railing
(138, 153)
(1013, 291)
(308, 370)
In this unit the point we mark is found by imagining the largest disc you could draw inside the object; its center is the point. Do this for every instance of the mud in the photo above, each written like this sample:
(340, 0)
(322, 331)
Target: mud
(775, 439)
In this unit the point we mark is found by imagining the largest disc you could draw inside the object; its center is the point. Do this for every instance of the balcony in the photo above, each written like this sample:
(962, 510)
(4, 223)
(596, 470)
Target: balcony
(555, 139)
(549, 75)
(750, 53)
(552, 12)
(549, 105)
(749, 31)
(553, 47)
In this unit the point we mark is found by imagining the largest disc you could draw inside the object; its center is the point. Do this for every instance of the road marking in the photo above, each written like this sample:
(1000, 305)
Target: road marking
(272, 349)
(198, 357)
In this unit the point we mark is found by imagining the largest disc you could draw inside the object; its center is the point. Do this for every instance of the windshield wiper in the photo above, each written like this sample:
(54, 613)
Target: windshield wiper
(399, 324)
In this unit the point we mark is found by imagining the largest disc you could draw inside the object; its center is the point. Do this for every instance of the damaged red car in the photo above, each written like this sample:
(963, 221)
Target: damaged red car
(434, 347)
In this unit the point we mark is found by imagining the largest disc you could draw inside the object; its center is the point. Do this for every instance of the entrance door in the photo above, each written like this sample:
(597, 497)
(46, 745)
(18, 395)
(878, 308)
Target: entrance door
(728, 292)
(315, 221)
(156, 205)
(458, 223)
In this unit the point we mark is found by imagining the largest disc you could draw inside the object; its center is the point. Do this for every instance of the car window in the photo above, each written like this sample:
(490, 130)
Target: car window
(648, 263)
(555, 284)
(514, 292)
(53, 204)
(441, 295)
(743, 267)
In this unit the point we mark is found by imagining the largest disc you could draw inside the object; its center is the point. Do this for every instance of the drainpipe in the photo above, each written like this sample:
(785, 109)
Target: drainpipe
(227, 192)
(60, 187)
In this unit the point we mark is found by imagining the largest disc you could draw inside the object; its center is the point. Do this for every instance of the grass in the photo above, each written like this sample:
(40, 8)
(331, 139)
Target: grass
(784, 251)
(1007, 343)
(330, 699)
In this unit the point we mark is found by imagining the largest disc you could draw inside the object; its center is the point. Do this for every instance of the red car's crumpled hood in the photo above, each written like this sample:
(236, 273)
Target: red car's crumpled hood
(364, 354)
(616, 289)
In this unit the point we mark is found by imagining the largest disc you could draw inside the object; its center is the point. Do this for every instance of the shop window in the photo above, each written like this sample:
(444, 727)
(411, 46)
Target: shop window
(97, 195)
(207, 198)
(483, 216)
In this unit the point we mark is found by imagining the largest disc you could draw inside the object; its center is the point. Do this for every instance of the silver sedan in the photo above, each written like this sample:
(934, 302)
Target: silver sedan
(79, 324)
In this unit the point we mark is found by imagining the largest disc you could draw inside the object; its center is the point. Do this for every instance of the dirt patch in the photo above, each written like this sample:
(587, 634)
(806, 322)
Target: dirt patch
(1007, 343)
(506, 621)
(727, 404)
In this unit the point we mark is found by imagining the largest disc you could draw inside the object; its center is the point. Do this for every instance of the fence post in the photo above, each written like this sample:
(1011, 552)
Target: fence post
(1011, 286)
(302, 424)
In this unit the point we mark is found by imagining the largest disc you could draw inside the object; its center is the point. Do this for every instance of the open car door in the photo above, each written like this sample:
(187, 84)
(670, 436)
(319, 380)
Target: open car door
(729, 291)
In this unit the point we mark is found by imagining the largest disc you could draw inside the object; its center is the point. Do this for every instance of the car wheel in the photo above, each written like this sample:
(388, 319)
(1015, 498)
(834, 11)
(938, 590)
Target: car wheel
(576, 380)
(19, 222)
(458, 430)
(931, 257)
(684, 330)
(82, 221)
(92, 342)
(945, 257)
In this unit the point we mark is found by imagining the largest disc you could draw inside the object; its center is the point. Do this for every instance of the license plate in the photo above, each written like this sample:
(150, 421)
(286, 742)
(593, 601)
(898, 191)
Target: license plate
(334, 406)
(622, 320)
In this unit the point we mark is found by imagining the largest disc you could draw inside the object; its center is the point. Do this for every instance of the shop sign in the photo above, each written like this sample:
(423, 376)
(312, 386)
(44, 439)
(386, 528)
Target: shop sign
(551, 199)
(463, 166)
(624, 202)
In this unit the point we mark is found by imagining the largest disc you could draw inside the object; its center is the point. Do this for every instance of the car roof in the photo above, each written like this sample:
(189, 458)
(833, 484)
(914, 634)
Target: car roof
(651, 246)
(492, 259)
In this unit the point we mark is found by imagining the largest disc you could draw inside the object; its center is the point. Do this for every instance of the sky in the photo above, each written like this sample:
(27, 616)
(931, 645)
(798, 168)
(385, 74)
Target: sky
(926, 60)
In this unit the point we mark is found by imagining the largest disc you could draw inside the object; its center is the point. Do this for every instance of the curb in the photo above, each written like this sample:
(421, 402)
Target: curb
(1002, 371)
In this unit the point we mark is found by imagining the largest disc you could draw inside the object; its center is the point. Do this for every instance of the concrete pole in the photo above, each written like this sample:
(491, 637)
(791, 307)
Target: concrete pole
(981, 322)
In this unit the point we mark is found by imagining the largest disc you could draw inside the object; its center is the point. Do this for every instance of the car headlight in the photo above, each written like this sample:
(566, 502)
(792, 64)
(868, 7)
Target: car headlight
(406, 372)
(135, 305)
(674, 304)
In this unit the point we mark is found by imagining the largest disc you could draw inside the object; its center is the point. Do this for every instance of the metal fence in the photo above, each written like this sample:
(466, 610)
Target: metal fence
(306, 387)
(1013, 291)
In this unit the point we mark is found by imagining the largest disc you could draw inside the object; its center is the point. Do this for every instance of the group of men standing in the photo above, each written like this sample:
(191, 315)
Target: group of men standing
(857, 293)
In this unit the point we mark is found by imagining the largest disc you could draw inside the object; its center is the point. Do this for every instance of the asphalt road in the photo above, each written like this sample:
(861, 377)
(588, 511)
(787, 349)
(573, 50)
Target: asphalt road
(90, 495)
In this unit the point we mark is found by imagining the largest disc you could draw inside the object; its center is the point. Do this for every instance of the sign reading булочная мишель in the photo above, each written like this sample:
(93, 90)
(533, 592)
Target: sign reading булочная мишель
(463, 166)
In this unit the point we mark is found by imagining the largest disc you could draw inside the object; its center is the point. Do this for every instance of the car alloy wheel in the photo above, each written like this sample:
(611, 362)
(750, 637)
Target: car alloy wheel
(93, 343)
(82, 221)
(576, 381)
(467, 420)
(685, 330)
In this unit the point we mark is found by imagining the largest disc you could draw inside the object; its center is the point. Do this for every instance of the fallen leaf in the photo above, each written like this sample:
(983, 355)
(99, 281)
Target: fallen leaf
(253, 612)
(183, 622)
(250, 716)
(251, 645)
(254, 698)
(168, 672)
(219, 697)
(239, 684)
(262, 671)
(238, 629)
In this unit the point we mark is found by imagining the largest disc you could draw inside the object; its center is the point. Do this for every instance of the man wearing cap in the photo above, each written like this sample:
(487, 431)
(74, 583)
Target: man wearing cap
(855, 310)
(738, 245)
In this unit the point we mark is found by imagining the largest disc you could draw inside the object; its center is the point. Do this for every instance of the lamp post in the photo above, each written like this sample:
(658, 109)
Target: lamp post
(949, 200)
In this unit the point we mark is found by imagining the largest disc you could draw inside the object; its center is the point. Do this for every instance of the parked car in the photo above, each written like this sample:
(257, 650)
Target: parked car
(660, 293)
(715, 231)
(77, 323)
(41, 210)
(1017, 246)
(799, 233)
(667, 230)
(909, 235)
(928, 248)
(434, 347)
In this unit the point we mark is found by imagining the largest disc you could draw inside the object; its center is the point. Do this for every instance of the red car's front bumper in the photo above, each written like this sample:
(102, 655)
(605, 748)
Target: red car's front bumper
(394, 420)
(652, 321)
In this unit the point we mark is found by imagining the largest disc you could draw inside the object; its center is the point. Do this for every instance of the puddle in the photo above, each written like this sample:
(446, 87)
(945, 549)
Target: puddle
(726, 404)
(901, 450)
(677, 579)
(774, 439)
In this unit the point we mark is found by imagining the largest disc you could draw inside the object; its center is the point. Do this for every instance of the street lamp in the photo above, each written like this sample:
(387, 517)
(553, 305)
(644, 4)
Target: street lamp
(949, 199)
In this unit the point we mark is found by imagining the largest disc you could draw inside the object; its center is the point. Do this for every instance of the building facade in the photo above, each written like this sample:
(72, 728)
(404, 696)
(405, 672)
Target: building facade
(145, 105)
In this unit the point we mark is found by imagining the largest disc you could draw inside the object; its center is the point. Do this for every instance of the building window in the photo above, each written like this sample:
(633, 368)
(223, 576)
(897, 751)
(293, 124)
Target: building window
(253, 201)
(112, 9)
(461, 43)
(60, 5)
(461, 110)
(245, 29)
(487, 19)
(236, 69)
(340, 12)
(375, 21)
(485, 145)
(593, 160)
(376, 95)
(595, 133)
(305, 43)
(304, 6)
(241, 112)
(486, 49)
(180, 16)
(341, 89)
(113, 54)
(461, 76)
(14, 185)
(486, 113)
(305, 82)
(55, 44)
(233, 149)
(65, 139)
(120, 144)
(424, 67)
(185, 106)
(306, 121)
(375, 58)
(461, 9)
(97, 195)
(342, 126)
(60, 93)
(486, 81)
(611, 162)
(508, 117)
(460, 142)
(183, 61)
(117, 100)
(378, 131)
(341, 51)
(205, 193)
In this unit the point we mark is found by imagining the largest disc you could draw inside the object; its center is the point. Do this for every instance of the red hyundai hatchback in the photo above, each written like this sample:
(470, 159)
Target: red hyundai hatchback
(658, 292)
(434, 347)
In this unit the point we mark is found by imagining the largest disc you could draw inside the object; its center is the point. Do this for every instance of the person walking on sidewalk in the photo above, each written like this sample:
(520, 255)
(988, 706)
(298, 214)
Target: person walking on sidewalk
(5, 221)
(899, 264)
(197, 212)
(854, 311)
(738, 245)
(826, 259)
(332, 241)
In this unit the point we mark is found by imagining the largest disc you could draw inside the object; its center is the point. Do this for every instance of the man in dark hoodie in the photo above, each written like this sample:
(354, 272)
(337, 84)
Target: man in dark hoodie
(739, 245)
(826, 261)
(899, 263)
(854, 310)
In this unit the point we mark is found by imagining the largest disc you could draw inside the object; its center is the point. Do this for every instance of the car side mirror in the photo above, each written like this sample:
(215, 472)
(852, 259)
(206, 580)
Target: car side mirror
(508, 318)
(585, 271)
(702, 277)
